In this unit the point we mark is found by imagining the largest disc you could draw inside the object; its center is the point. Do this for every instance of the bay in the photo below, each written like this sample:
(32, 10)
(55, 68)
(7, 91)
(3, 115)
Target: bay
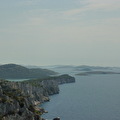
(17, 80)
(95, 97)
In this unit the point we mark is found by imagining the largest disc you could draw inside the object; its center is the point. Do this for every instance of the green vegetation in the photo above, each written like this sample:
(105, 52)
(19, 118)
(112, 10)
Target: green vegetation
(14, 95)
(36, 82)
(13, 71)
(35, 110)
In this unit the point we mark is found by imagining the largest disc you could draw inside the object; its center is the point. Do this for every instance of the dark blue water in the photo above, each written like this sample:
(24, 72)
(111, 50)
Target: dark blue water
(95, 97)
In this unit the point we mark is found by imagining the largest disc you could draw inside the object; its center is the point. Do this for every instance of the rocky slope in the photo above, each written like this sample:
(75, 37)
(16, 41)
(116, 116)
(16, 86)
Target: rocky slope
(15, 104)
(19, 100)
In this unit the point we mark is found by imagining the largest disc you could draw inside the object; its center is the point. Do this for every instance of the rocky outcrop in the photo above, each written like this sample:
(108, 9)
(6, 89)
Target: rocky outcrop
(20, 100)
(56, 118)
(15, 105)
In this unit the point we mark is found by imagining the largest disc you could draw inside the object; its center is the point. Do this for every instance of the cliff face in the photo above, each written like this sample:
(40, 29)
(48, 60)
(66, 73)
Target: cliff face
(38, 90)
(19, 100)
(15, 104)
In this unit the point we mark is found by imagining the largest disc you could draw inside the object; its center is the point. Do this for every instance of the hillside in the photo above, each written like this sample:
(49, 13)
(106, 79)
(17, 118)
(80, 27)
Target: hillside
(13, 71)
(20, 100)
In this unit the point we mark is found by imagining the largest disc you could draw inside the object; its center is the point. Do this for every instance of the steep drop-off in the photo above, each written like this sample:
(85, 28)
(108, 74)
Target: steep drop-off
(19, 100)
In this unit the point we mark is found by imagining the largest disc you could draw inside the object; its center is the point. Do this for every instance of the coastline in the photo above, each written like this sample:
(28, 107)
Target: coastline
(29, 95)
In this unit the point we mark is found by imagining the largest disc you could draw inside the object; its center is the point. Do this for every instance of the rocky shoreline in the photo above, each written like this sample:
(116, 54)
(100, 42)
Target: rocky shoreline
(19, 100)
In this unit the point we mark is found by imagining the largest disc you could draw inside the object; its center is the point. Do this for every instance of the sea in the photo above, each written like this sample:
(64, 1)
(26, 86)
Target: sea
(93, 97)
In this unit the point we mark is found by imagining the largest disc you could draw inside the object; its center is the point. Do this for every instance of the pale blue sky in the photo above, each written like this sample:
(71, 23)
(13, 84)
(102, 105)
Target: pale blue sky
(75, 32)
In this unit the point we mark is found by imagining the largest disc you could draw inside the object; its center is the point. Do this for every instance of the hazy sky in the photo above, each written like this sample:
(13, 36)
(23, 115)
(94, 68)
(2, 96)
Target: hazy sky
(50, 32)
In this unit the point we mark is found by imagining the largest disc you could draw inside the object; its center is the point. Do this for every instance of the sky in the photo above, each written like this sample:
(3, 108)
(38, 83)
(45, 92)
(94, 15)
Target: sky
(60, 32)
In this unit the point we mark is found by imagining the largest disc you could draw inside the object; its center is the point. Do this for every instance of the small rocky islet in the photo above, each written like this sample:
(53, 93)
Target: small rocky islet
(21, 100)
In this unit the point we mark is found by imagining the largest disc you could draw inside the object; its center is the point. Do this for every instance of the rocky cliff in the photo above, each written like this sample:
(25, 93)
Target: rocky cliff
(19, 100)
(16, 104)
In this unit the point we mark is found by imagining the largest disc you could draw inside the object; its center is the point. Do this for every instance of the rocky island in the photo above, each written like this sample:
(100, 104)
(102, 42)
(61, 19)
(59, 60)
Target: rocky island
(96, 73)
(20, 100)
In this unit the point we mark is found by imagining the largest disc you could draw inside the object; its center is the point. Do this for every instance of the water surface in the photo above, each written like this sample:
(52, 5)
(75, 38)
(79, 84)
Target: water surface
(95, 97)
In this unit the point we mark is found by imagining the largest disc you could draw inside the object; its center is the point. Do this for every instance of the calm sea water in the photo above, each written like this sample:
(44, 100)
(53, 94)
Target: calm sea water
(95, 97)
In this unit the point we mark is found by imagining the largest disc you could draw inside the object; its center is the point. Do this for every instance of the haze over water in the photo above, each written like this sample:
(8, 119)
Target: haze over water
(60, 32)
(67, 32)
(95, 97)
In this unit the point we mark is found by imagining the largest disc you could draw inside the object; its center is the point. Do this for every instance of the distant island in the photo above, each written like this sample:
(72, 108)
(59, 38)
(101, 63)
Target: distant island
(14, 71)
(97, 73)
